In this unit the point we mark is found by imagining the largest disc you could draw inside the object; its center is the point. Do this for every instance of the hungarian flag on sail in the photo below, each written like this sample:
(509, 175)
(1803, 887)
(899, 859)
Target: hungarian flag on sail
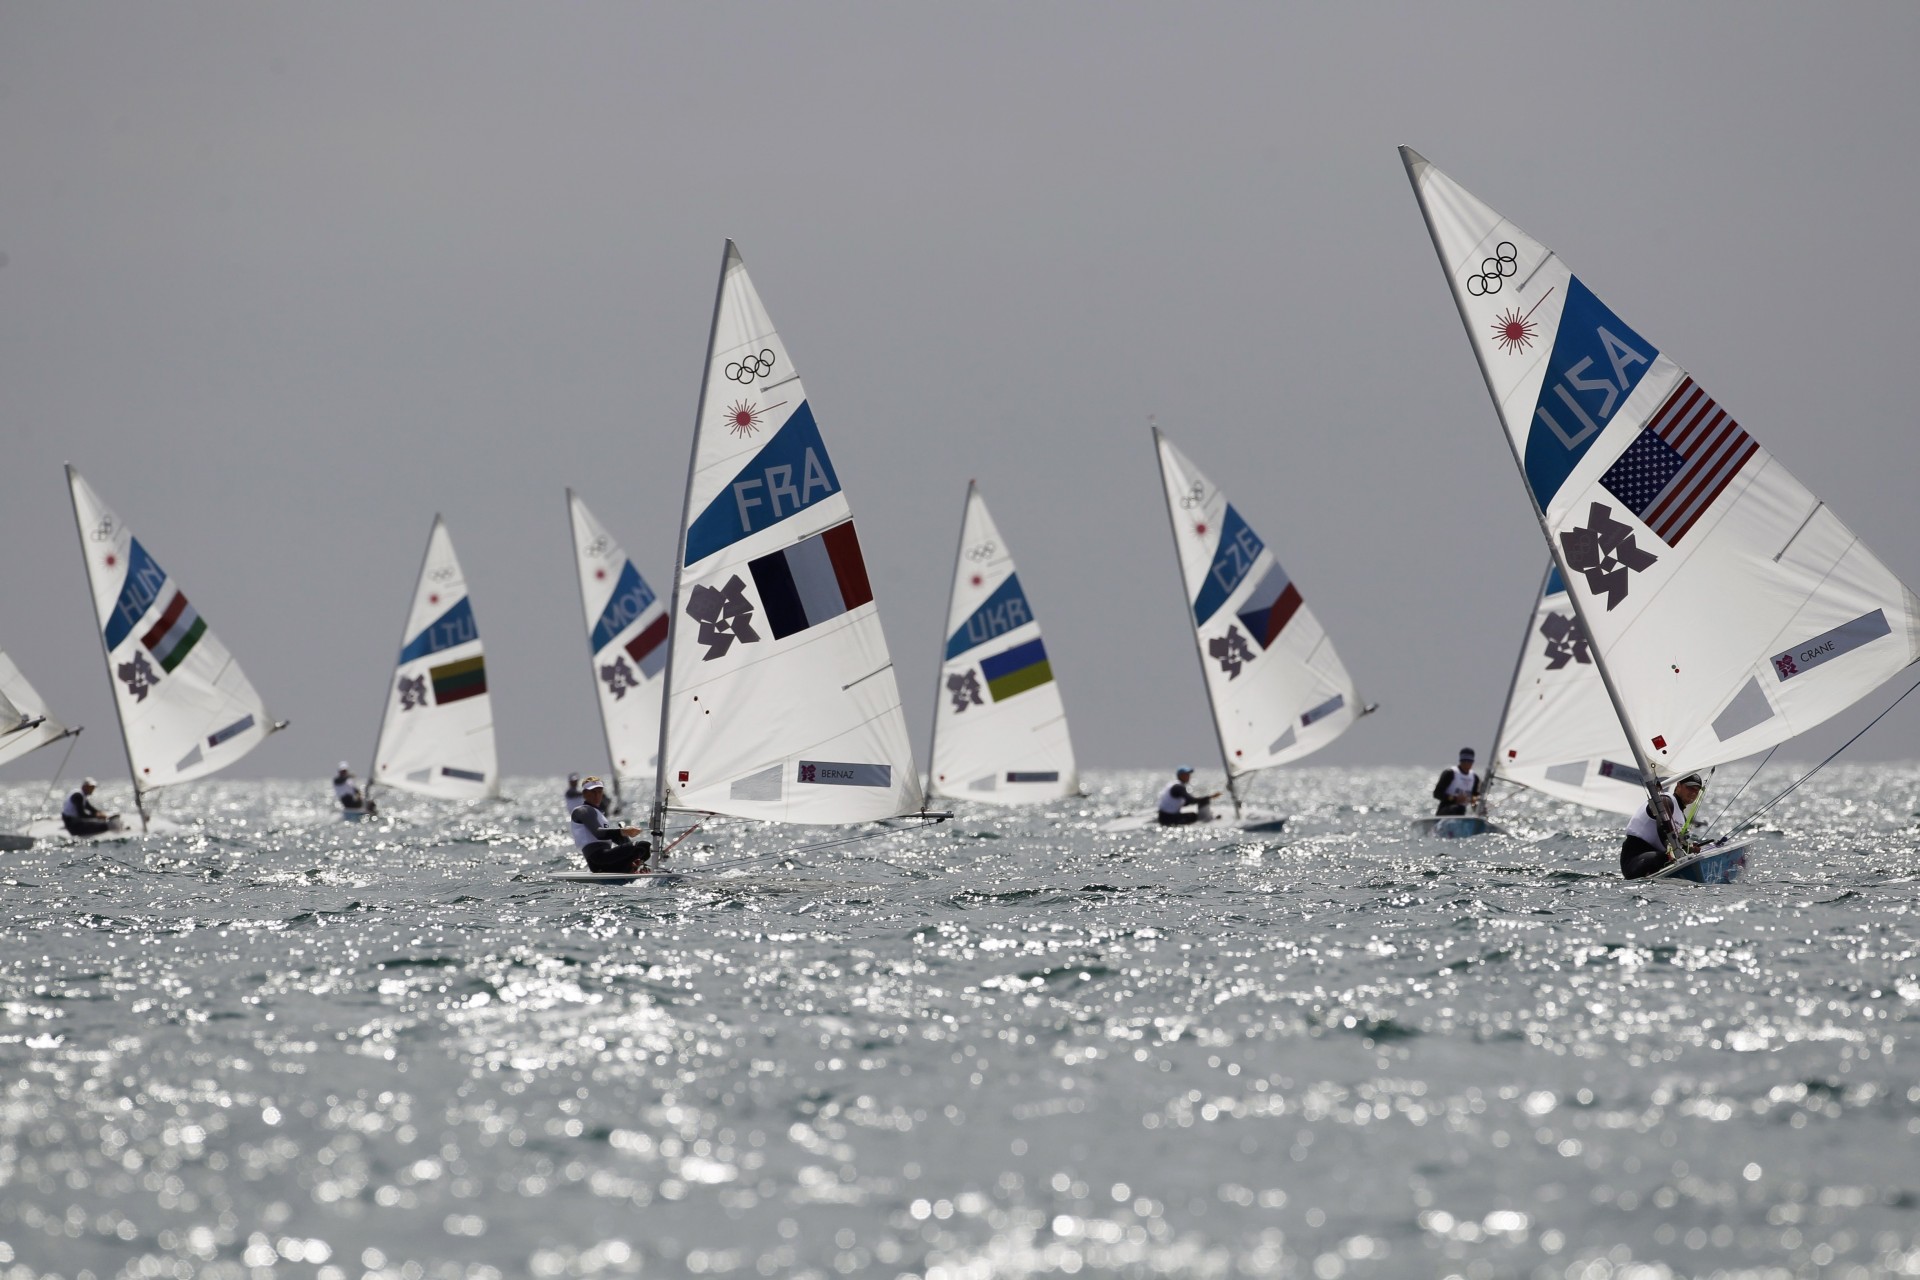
(173, 636)
(1674, 469)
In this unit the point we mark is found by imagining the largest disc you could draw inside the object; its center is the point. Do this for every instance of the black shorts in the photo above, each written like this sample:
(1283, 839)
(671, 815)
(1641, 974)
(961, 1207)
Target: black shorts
(1178, 819)
(1639, 859)
(86, 826)
(606, 856)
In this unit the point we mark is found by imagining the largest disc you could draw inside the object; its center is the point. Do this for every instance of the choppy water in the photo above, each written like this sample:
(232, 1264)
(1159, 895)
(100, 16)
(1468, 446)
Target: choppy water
(280, 1045)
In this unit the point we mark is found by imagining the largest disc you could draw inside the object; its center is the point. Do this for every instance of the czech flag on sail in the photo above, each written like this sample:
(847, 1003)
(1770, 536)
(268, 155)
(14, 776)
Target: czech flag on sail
(1271, 606)
(1689, 452)
(178, 629)
(813, 581)
(1017, 670)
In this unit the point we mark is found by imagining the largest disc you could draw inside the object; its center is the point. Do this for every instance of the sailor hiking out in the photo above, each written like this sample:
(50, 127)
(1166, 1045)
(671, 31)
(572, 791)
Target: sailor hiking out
(607, 848)
(79, 816)
(1458, 790)
(1177, 797)
(346, 789)
(1645, 851)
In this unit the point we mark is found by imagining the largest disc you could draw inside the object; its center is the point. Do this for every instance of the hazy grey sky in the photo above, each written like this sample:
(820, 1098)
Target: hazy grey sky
(282, 281)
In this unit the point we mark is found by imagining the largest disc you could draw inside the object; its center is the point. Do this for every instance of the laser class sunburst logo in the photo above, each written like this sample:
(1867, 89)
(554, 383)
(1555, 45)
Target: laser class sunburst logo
(744, 416)
(1515, 332)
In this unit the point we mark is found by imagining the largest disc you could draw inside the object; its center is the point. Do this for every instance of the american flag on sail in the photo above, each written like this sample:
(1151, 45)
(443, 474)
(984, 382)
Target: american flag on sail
(1677, 466)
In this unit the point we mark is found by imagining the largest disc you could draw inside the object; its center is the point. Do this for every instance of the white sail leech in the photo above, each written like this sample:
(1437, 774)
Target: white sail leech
(25, 724)
(436, 731)
(780, 700)
(186, 708)
(1277, 688)
(1559, 735)
(1729, 607)
(626, 644)
(1000, 728)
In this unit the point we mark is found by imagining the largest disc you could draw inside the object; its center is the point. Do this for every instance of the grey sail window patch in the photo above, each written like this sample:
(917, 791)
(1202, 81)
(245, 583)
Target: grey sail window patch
(1748, 708)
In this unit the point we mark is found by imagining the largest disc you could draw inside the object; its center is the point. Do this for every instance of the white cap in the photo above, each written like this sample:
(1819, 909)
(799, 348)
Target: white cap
(88, 782)
(345, 767)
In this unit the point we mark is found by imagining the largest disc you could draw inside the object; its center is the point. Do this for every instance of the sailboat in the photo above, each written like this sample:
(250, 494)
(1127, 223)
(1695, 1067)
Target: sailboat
(626, 645)
(436, 732)
(25, 727)
(1277, 689)
(780, 702)
(186, 709)
(1726, 608)
(1557, 733)
(999, 728)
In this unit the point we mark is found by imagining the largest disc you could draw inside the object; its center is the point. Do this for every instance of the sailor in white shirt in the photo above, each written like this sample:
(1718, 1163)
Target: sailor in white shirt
(79, 816)
(346, 789)
(1176, 797)
(1645, 849)
(1458, 790)
(607, 848)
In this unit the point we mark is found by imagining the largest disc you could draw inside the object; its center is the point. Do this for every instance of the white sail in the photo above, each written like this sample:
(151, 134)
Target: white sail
(1278, 689)
(1558, 734)
(436, 735)
(186, 708)
(1731, 608)
(781, 701)
(626, 643)
(999, 728)
(24, 723)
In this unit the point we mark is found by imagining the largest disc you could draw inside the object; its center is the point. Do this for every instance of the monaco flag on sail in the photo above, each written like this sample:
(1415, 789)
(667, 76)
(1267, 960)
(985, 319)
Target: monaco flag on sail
(1693, 556)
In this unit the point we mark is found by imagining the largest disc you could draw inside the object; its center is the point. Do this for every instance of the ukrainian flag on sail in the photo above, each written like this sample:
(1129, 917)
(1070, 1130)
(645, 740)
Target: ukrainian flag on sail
(1017, 670)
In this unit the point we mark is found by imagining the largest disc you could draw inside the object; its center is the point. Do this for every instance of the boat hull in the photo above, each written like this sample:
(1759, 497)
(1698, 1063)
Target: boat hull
(13, 843)
(1458, 826)
(1711, 866)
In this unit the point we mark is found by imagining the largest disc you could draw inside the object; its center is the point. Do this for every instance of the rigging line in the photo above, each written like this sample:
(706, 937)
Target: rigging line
(53, 787)
(1817, 768)
(1743, 786)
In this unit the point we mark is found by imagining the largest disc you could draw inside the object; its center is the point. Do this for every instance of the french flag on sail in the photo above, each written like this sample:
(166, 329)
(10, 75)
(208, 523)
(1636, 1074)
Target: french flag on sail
(1688, 454)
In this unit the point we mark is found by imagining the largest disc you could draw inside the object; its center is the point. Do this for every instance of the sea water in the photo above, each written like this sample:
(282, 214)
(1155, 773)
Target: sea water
(277, 1044)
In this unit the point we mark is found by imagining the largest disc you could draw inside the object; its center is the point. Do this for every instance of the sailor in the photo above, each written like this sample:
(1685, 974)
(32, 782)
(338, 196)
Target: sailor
(346, 789)
(1645, 851)
(573, 796)
(79, 816)
(1175, 799)
(607, 848)
(1458, 790)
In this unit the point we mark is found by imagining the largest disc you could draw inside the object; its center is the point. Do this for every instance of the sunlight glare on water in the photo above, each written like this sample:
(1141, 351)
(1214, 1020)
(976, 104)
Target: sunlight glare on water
(274, 1043)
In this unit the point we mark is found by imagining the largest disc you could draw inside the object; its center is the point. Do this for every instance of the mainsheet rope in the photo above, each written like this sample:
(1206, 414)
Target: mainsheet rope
(1817, 768)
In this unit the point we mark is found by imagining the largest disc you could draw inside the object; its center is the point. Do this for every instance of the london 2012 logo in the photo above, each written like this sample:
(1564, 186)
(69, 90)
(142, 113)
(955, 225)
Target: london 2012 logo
(749, 368)
(1494, 271)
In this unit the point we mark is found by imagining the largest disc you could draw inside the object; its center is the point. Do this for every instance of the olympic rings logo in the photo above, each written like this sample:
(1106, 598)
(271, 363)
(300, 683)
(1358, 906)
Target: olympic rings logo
(1195, 496)
(745, 371)
(982, 553)
(1504, 262)
(444, 573)
(599, 547)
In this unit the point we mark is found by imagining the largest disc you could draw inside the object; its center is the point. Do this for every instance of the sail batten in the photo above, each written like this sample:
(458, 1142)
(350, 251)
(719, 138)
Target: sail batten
(626, 643)
(436, 729)
(779, 697)
(1728, 608)
(186, 709)
(1000, 727)
(1276, 687)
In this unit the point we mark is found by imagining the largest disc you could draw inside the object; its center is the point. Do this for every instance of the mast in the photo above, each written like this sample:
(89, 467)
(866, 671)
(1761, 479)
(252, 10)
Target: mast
(953, 584)
(606, 732)
(1647, 775)
(1186, 606)
(659, 823)
(386, 709)
(133, 776)
(1526, 638)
